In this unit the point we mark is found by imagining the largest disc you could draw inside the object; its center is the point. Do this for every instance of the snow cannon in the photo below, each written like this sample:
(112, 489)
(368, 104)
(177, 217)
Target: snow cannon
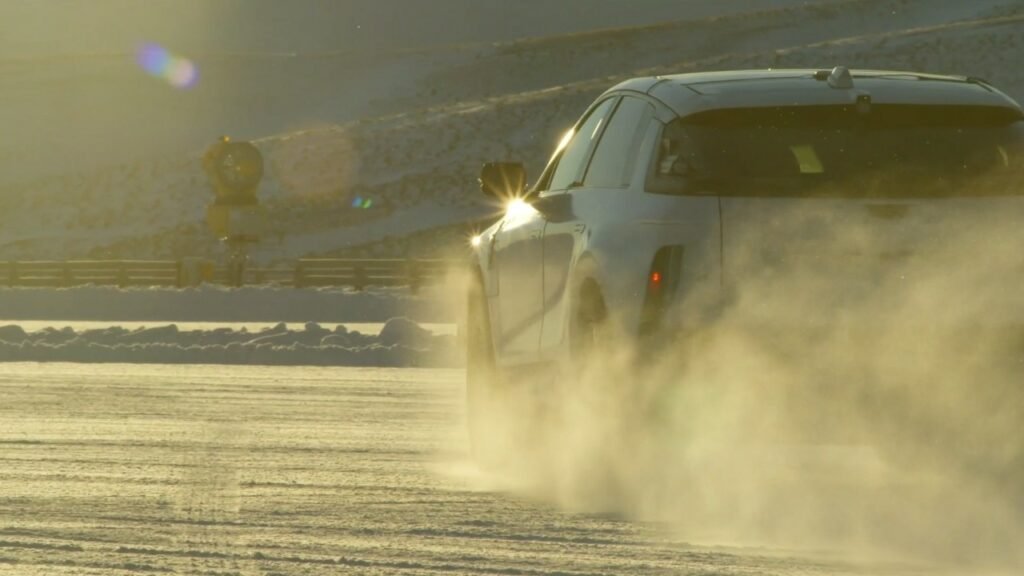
(234, 169)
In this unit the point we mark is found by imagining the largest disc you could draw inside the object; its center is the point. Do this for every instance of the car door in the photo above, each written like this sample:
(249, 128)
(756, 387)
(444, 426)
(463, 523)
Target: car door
(519, 249)
(599, 194)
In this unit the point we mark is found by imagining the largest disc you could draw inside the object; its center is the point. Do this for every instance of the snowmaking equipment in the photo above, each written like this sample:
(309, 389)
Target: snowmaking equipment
(234, 169)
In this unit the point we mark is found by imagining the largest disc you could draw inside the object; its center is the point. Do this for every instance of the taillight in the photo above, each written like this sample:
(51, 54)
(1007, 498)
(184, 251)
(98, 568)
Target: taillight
(662, 281)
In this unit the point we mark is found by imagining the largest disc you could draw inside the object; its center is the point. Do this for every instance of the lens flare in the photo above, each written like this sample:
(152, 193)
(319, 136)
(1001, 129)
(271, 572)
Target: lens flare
(518, 208)
(360, 202)
(159, 62)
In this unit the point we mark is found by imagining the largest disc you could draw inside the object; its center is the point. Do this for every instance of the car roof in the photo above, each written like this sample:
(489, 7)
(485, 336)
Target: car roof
(689, 94)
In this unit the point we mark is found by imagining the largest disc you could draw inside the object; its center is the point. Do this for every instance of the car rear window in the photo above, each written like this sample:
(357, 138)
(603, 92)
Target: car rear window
(885, 151)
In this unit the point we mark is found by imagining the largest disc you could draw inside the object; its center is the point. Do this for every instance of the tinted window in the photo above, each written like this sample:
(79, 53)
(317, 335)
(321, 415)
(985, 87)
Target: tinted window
(575, 152)
(613, 161)
(895, 151)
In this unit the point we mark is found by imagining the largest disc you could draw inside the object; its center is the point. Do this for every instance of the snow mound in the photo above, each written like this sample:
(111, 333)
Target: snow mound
(401, 343)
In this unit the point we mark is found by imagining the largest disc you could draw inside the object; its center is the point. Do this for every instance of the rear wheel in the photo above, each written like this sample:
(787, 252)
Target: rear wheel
(588, 327)
(589, 399)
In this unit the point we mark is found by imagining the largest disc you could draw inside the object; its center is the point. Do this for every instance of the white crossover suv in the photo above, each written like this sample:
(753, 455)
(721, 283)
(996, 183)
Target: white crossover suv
(797, 196)
(676, 185)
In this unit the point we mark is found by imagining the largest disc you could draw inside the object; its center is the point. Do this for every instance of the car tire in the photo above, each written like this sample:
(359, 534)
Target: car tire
(589, 349)
(481, 371)
(588, 326)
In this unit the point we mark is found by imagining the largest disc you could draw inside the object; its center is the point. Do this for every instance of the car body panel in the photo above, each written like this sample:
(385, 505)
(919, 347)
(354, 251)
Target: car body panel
(618, 231)
(518, 256)
(531, 262)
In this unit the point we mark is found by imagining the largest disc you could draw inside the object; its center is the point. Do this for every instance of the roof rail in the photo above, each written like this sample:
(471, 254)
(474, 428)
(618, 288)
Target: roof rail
(980, 82)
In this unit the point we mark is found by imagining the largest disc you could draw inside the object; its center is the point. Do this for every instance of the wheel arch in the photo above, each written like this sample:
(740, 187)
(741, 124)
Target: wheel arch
(587, 284)
(475, 288)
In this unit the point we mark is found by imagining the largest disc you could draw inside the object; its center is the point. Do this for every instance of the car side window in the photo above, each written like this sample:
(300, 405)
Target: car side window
(675, 158)
(570, 165)
(613, 161)
(677, 155)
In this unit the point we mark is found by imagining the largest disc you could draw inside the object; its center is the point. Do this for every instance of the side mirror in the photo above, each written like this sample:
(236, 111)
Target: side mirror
(555, 208)
(503, 180)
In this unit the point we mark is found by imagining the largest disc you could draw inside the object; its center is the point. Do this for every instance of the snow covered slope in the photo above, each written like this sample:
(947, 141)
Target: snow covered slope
(426, 119)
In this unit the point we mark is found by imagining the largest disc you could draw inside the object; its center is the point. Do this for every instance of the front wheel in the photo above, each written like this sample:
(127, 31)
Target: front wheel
(480, 365)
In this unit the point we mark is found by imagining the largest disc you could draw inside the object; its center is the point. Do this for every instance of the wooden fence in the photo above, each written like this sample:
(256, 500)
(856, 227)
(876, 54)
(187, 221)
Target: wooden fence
(99, 272)
(307, 273)
(360, 273)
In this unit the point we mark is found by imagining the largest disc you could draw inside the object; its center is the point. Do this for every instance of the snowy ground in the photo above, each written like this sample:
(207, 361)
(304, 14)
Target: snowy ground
(256, 471)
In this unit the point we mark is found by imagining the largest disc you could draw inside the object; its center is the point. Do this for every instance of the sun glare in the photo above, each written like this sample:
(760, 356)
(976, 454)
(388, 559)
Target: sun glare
(565, 140)
(518, 209)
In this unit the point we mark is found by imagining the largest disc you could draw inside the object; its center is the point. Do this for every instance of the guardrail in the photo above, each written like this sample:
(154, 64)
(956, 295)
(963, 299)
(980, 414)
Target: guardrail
(307, 273)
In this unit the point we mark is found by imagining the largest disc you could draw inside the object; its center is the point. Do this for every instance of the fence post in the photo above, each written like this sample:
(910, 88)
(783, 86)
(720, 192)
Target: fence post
(179, 268)
(360, 277)
(122, 274)
(12, 273)
(299, 271)
(68, 275)
(413, 267)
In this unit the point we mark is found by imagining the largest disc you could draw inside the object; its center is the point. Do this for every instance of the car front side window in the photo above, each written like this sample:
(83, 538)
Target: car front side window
(567, 171)
(615, 156)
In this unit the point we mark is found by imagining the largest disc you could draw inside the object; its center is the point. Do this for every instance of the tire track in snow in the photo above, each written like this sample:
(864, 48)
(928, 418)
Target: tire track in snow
(219, 470)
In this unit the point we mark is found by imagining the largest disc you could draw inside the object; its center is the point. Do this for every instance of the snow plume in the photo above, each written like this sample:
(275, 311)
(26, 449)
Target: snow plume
(852, 404)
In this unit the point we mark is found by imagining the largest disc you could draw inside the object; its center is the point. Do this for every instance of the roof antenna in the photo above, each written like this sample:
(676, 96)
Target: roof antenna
(840, 78)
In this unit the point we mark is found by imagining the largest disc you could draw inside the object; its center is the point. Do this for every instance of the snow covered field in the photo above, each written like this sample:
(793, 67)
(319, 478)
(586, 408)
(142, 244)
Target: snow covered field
(201, 470)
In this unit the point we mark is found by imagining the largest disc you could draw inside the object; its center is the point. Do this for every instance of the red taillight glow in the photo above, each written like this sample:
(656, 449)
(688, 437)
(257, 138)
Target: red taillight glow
(662, 282)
